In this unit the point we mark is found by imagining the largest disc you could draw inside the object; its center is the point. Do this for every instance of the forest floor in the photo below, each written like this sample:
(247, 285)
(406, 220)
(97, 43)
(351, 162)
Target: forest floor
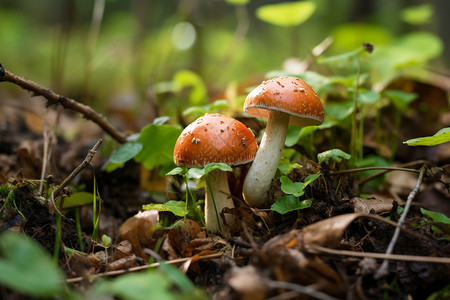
(332, 250)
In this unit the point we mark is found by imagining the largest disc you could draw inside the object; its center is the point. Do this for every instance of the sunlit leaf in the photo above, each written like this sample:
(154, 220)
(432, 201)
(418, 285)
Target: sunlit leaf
(195, 173)
(442, 136)
(351, 36)
(158, 142)
(77, 199)
(311, 178)
(217, 166)
(27, 268)
(286, 168)
(417, 15)
(286, 13)
(106, 240)
(177, 171)
(334, 154)
(178, 208)
(237, 2)
(289, 203)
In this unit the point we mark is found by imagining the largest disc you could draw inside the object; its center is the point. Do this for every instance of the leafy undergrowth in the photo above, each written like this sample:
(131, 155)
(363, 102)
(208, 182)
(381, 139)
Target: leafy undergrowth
(336, 200)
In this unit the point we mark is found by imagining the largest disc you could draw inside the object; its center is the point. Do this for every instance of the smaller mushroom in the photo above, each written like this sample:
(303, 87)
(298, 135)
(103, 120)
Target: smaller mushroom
(280, 101)
(215, 138)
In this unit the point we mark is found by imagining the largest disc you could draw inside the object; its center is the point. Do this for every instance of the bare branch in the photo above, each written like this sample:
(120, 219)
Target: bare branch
(54, 99)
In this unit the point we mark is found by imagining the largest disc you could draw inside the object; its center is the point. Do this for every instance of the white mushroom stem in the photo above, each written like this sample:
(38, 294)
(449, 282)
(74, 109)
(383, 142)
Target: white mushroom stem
(221, 192)
(259, 177)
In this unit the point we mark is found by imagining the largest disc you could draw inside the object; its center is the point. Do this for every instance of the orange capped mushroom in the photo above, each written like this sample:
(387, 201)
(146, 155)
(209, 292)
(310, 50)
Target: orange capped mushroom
(281, 101)
(214, 138)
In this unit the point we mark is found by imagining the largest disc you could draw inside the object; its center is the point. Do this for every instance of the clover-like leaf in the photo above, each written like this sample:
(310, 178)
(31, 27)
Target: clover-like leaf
(334, 154)
(289, 203)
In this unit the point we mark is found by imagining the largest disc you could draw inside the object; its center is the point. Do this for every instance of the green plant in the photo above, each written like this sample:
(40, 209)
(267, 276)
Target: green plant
(152, 147)
(442, 136)
(293, 190)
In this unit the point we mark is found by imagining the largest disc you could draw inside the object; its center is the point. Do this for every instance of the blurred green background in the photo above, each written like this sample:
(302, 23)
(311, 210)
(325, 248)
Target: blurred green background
(100, 52)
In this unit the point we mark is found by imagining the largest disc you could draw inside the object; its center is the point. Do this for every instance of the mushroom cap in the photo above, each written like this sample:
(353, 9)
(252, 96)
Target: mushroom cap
(286, 94)
(215, 138)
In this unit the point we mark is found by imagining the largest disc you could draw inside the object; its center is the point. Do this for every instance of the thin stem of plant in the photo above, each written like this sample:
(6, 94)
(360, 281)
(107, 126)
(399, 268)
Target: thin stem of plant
(54, 98)
(355, 143)
(383, 270)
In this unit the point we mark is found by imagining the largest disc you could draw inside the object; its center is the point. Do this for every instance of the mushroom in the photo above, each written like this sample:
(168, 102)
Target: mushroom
(281, 101)
(221, 139)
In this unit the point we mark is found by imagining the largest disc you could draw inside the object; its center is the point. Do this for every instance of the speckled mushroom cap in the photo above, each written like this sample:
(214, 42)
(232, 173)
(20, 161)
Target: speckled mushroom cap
(215, 138)
(287, 94)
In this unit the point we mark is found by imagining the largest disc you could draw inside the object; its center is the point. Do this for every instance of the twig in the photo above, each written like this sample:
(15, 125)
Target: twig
(373, 168)
(140, 268)
(428, 259)
(383, 270)
(86, 162)
(301, 289)
(54, 98)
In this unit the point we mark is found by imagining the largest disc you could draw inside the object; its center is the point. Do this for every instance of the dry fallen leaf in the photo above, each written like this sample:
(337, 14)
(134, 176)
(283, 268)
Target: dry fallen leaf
(377, 203)
(140, 231)
(189, 239)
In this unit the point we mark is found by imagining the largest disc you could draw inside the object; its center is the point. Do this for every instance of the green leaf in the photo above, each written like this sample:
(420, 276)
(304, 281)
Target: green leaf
(77, 199)
(198, 94)
(442, 222)
(293, 188)
(400, 98)
(27, 268)
(178, 171)
(161, 120)
(125, 152)
(286, 168)
(106, 240)
(237, 2)
(289, 203)
(198, 111)
(417, 15)
(158, 142)
(217, 166)
(368, 97)
(339, 110)
(335, 154)
(295, 134)
(178, 208)
(177, 277)
(195, 173)
(442, 136)
(311, 178)
(286, 13)
(350, 36)
(341, 57)
(137, 286)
